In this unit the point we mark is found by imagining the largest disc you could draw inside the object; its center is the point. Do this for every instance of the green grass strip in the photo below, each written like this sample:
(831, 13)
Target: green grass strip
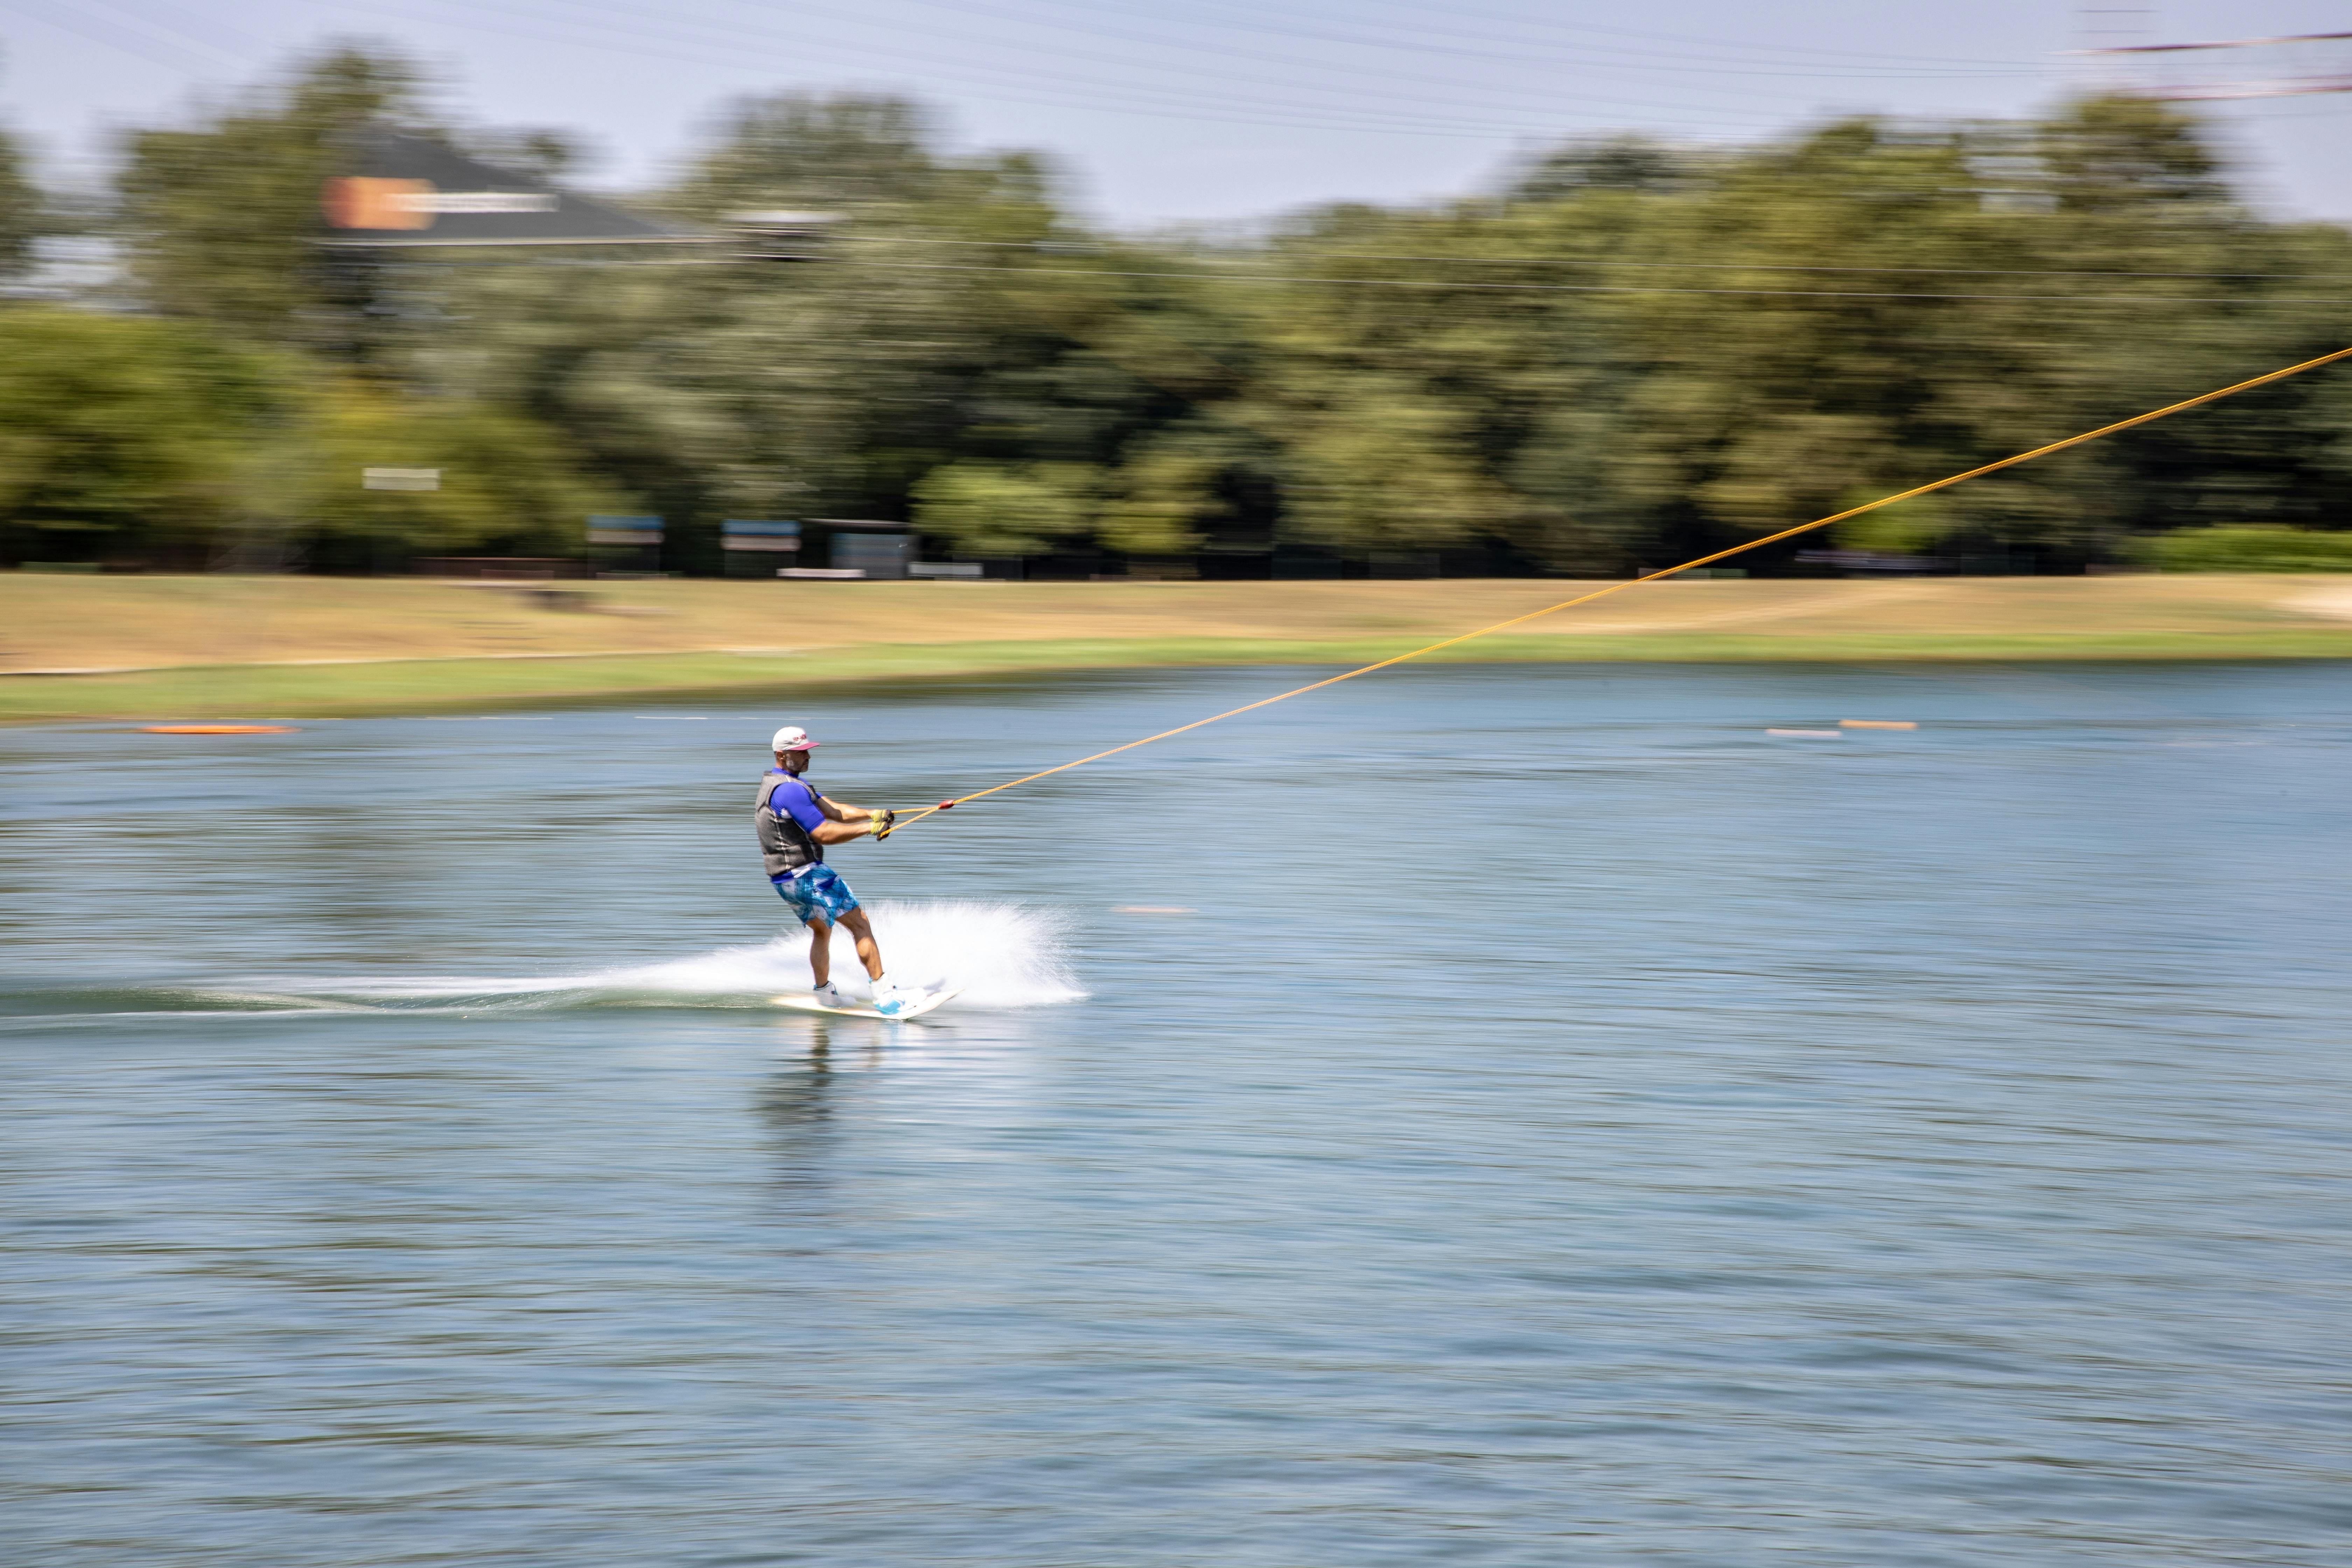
(425, 686)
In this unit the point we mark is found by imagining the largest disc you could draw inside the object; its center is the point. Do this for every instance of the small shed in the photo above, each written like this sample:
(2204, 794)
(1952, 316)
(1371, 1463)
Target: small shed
(882, 550)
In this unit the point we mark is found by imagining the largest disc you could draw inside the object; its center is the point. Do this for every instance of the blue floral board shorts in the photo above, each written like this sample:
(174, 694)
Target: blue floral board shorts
(817, 894)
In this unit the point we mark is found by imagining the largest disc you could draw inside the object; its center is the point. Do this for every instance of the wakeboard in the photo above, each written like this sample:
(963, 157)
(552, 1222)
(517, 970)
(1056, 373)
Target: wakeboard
(807, 1004)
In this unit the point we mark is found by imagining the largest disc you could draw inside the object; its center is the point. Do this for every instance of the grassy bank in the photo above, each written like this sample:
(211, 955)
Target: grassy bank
(205, 648)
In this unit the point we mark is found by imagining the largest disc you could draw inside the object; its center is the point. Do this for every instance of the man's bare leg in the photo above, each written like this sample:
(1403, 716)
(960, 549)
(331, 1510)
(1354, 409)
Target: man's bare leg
(820, 953)
(868, 953)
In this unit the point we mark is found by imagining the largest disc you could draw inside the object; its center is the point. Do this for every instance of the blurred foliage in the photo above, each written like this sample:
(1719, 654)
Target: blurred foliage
(219, 219)
(999, 509)
(2249, 549)
(849, 153)
(1626, 352)
(508, 485)
(24, 215)
(121, 435)
(1907, 528)
(1624, 162)
(761, 389)
(116, 430)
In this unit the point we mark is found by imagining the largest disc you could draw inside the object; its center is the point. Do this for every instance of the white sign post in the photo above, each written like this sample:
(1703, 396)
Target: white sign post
(399, 479)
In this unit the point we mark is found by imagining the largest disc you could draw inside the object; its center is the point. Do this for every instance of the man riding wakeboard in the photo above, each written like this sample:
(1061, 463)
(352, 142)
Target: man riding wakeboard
(795, 824)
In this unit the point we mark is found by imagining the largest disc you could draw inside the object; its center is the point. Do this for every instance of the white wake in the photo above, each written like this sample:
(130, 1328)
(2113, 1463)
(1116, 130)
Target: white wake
(998, 956)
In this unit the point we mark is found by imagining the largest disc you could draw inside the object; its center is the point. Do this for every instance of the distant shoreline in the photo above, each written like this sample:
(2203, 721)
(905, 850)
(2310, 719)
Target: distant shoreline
(136, 648)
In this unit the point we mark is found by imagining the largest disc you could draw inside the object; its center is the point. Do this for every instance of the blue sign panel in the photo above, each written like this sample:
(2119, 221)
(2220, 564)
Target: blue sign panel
(625, 531)
(737, 533)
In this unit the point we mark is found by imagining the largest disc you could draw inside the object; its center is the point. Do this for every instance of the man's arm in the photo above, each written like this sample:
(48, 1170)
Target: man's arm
(843, 823)
(840, 812)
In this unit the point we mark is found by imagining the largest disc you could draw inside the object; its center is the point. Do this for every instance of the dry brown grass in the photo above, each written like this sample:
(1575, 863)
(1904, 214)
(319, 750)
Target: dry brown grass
(194, 647)
(52, 621)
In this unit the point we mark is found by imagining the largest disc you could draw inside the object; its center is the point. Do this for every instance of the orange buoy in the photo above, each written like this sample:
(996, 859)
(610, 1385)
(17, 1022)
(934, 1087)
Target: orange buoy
(217, 728)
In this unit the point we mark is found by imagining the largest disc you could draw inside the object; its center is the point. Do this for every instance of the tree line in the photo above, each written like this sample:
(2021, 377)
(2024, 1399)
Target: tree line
(1620, 354)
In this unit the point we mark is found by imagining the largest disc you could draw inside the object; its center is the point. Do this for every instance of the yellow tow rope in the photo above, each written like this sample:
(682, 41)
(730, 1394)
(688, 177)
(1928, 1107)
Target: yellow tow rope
(914, 815)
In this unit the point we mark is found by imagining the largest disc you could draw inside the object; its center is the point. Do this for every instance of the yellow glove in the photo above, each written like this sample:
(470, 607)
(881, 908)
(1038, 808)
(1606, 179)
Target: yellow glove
(883, 822)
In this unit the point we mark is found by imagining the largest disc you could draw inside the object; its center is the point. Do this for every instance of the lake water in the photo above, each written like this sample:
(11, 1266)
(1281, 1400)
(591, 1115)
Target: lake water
(1475, 1115)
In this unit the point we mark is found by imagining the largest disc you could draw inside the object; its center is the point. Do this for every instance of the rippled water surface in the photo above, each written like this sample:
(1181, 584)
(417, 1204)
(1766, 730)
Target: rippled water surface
(1476, 1115)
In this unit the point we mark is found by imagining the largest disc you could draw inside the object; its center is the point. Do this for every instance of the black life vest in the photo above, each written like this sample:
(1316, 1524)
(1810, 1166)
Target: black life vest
(784, 845)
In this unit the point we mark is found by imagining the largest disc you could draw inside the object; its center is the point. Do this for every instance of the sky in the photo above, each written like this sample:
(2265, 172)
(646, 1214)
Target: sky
(1213, 112)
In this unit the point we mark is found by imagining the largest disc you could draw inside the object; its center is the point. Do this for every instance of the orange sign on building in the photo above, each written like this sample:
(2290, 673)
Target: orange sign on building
(361, 203)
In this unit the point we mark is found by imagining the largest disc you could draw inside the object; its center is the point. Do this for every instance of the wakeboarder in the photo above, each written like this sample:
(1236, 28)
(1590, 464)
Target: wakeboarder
(795, 824)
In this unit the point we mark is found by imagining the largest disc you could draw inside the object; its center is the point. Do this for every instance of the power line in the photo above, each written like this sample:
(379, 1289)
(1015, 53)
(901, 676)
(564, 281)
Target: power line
(1742, 51)
(1175, 102)
(1682, 266)
(1420, 43)
(138, 37)
(1420, 46)
(1724, 43)
(1172, 104)
(1290, 84)
(1569, 288)
(228, 42)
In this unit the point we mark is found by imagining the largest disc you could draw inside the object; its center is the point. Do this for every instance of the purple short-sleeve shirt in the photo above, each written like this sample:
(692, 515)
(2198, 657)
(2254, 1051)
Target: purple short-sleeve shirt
(795, 799)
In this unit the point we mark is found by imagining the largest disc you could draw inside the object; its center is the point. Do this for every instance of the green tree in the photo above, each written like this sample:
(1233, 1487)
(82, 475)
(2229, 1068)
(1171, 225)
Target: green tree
(117, 433)
(1625, 354)
(993, 509)
(2249, 549)
(833, 152)
(506, 487)
(1164, 491)
(1679, 370)
(1623, 162)
(765, 389)
(24, 215)
(120, 436)
(219, 218)
(2121, 153)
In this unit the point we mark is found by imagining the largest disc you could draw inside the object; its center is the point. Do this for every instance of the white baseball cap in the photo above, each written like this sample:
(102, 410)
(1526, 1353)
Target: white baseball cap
(792, 738)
